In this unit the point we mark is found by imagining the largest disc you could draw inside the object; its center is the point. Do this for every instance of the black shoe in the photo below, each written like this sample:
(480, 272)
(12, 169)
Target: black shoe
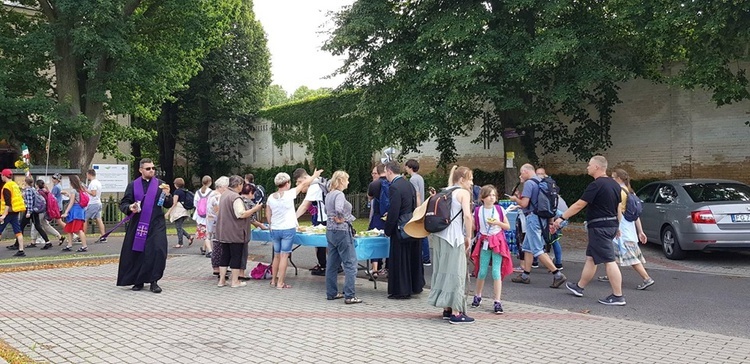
(137, 287)
(61, 241)
(319, 272)
(208, 255)
(155, 288)
(19, 253)
(203, 251)
(12, 247)
(47, 246)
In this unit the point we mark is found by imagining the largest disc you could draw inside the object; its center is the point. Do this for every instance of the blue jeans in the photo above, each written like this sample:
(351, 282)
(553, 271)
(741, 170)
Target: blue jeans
(282, 240)
(340, 250)
(533, 242)
(425, 250)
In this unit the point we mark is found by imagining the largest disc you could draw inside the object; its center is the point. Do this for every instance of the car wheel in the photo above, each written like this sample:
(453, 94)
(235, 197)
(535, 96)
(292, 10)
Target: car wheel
(670, 245)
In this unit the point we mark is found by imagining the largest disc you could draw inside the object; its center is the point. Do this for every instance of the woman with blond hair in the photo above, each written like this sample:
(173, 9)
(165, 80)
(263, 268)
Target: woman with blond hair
(340, 240)
(177, 213)
(627, 252)
(282, 219)
(450, 248)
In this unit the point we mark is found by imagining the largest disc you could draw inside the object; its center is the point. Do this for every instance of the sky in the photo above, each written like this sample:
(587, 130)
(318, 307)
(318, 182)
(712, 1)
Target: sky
(293, 28)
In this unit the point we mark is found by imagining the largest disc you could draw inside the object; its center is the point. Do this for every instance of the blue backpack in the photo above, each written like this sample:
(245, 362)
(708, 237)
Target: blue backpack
(546, 199)
(384, 202)
(633, 206)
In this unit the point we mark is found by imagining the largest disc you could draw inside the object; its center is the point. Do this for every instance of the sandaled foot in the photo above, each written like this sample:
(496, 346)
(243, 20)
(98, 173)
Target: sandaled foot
(191, 241)
(352, 300)
(241, 284)
(221, 284)
(336, 297)
(283, 286)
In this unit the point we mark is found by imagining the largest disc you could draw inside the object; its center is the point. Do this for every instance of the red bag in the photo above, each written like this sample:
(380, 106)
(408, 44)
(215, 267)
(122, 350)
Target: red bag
(84, 198)
(53, 209)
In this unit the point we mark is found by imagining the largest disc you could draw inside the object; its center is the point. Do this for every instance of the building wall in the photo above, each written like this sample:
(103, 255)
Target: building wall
(663, 132)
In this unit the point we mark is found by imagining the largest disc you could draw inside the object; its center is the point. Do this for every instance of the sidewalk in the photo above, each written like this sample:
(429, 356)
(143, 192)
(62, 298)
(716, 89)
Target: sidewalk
(79, 315)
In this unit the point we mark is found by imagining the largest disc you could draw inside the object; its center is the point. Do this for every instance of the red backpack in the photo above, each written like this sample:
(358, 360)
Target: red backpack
(84, 201)
(53, 209)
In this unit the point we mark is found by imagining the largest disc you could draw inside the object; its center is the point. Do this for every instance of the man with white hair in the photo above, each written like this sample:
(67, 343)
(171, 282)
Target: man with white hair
(601, 199)
(533, 243)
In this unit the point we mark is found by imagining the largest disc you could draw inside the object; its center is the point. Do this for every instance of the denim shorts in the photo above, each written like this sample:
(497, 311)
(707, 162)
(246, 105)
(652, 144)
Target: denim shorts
(533, 242)
(282, 240)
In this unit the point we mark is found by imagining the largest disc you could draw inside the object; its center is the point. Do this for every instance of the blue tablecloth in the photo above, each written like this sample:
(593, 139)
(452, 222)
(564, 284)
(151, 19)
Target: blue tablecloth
(366, 247)
(510, 235)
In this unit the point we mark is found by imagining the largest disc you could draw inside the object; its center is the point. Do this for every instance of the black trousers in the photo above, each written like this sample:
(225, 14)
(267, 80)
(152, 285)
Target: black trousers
(35, 219)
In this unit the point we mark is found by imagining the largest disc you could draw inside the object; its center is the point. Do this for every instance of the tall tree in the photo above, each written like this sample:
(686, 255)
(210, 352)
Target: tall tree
(215, 112)
(275, 95)
(304, 92)
(117, 57)
(548, 68)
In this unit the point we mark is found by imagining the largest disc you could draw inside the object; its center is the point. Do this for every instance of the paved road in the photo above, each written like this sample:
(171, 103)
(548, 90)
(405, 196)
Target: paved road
(707, 292)
(78, 315)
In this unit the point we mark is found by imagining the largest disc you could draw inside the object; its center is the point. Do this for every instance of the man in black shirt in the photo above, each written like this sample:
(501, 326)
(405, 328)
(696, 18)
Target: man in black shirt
(601, 199)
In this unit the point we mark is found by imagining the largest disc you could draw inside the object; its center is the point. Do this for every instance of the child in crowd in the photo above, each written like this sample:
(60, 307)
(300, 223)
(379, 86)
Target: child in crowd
(490, 221)
(75, 215)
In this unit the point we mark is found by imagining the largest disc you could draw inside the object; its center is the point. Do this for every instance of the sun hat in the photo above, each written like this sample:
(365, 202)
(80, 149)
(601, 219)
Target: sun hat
(415, 226)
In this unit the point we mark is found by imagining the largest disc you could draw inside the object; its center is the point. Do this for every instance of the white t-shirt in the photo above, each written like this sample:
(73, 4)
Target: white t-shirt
(283, 213)
(95, 185)
(314, 193)
(484, 214)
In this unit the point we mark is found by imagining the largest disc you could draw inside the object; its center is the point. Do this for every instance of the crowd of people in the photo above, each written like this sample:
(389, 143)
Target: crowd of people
(474, 232)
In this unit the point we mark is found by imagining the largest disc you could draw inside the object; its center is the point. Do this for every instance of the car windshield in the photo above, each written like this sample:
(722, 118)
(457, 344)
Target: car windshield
(708, 192)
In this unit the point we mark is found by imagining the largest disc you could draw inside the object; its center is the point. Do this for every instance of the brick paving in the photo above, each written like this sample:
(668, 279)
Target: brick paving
(78, 315)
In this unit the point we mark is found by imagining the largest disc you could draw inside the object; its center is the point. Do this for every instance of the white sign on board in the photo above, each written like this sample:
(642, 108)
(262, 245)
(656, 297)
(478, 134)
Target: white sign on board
(113, 177)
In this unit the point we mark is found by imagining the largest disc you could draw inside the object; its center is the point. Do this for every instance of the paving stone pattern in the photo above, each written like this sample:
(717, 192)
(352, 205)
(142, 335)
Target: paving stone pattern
(78, 315)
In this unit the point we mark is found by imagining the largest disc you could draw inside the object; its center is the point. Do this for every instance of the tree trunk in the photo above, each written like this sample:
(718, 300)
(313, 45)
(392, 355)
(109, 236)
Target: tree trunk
(167, 139)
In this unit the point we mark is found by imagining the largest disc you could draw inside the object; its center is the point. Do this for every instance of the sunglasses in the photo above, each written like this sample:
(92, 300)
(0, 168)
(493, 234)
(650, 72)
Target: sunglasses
(149, 168)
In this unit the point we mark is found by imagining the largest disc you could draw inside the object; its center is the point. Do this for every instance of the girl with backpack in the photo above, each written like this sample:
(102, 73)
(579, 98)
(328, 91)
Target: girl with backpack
(48, 214)
(34, 205)
(489, 222)
(178, 213)
(200, 201)
(627, 252)
(75, 214)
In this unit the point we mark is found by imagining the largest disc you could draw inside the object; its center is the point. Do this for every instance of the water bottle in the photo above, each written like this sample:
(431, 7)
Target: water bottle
(161, 199)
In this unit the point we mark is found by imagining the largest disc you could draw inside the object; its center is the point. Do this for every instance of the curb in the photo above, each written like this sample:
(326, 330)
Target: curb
(54, 261)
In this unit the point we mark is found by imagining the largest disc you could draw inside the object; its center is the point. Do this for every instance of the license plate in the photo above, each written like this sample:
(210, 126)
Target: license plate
(741, 218)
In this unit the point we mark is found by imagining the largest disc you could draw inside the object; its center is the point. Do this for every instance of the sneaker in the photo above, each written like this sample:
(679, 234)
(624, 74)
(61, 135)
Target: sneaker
(319, 272)
(573, 288)
(602, 279)
(317, 267)
(12, 247)
(427, 263)
(47, 246)
(208, 255)
(67, 248)
(477, 301)
(82, 249)
(518, 270)
(613, 300)
(498, 308)
(203, 251)
(535, 265)
(19, 253)
(520, 279)
(102, 240)
(447, 314)
(646, 283)
(461, 319)
(557, 282)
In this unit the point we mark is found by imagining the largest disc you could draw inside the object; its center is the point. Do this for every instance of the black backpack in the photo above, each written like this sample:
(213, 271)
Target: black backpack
(633, 206)
(438, 215)
(189, 202)
(546, 199)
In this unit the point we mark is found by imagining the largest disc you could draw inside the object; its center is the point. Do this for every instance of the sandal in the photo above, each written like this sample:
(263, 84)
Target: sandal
(272, 284)
(191, 241)
(82, 249)
(337, 296)
(352, 300)
(221, 285)
(178, 246)
(283, 286)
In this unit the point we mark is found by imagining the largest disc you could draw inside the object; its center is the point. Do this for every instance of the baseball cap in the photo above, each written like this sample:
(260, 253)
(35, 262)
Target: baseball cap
(7, 173)
(57, 176)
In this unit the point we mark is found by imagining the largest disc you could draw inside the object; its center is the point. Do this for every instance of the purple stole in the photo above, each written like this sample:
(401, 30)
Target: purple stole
(147, 207)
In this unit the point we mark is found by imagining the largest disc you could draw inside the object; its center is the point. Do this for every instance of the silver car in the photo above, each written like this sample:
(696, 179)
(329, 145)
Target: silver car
(696, 214)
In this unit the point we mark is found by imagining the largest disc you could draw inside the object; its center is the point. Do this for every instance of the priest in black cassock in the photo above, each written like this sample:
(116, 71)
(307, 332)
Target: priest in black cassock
(405, 270)
(144, 250)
